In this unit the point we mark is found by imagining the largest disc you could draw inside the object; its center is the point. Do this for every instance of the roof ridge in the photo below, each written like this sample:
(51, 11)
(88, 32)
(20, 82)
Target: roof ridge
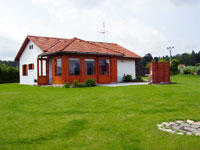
(102, 42)
(53, 46)
(47, 37)
(112, 49)
(59, 41)
(73, 39)
(90, 42)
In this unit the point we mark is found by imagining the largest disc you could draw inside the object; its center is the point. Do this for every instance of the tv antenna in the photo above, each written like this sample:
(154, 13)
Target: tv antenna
(170, 52)
(104, 32)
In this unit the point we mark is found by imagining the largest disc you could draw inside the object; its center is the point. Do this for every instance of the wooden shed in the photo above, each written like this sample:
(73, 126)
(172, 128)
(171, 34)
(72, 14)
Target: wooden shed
(159, 72)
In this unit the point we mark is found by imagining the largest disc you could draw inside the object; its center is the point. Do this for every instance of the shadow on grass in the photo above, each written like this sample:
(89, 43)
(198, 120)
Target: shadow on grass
(72, 129)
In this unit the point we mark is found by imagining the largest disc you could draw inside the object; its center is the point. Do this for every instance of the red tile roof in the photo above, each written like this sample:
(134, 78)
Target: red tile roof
(50, 45)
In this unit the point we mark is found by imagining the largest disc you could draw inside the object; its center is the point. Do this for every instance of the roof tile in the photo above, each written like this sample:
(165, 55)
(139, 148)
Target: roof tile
(52, 45)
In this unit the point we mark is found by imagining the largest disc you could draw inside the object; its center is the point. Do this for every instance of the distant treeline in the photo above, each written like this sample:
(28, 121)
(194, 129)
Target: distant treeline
(8, 74)
(9, 63)
(188, 59)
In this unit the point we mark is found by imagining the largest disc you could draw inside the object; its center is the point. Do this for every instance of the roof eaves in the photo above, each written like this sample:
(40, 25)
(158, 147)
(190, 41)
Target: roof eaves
(34, 42)
(132, 57)
(22, 49)
(77, 52)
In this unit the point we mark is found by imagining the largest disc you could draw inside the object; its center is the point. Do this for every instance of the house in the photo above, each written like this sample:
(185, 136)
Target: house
(48, 60)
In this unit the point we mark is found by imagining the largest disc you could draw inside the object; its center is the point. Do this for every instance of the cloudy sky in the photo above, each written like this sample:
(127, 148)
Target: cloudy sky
(143, 26)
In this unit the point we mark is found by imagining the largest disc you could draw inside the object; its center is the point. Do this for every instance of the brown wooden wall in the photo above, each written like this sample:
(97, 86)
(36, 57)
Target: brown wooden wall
(65, 77)
(160, 72)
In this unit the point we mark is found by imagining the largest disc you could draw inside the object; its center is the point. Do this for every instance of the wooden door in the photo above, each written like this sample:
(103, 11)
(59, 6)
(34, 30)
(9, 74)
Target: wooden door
(43, 71)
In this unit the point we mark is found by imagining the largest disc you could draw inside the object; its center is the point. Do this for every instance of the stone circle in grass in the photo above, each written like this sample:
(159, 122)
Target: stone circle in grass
(188, 127)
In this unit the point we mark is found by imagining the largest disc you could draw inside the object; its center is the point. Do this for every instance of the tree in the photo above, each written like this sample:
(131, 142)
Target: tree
(198, 57)
(8, 74)
(145, 60)
(174, 66)
(162, 60)
(166, 58)
(185, 58)
(193, 58)
(9, 63)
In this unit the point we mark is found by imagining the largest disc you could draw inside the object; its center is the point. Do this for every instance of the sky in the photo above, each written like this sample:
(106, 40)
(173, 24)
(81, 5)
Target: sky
(142, 26)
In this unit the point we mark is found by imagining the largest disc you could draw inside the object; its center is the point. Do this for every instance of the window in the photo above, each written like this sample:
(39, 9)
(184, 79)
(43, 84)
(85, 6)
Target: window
(44, 67)
(24, 70)
(31, 66)
(58, 64)
(104, 65)
(89, 66)
(74, 66)
(40, 66)
(30, 46)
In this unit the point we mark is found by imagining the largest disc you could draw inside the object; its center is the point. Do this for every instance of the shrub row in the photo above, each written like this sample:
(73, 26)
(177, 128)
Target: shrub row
(9, 74)
(88, 83)
(128, 78)
(192, 70)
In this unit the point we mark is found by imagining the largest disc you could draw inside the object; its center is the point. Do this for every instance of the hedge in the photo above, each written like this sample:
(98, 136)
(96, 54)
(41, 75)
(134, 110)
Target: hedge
(9, 74)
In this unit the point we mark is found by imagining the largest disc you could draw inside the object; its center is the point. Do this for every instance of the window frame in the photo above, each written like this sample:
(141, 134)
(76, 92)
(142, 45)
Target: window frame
(24, 70)
(93, 60)
(31, 66)
(75, 58)
(100, 66)
(31, 46)
(56, 74)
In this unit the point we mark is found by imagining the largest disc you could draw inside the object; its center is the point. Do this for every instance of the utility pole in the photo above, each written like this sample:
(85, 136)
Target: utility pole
(170, 52)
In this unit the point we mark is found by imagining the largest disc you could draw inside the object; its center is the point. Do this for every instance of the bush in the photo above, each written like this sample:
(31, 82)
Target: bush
(81, 85)
(198, 71)
(174, 66)
(186, 71)
(162, 60)
(75, 84)
(138, 79)
(67, 85)
(198, 64)
(9, 74)
(90, 83)
(190, 70)
(127, 78)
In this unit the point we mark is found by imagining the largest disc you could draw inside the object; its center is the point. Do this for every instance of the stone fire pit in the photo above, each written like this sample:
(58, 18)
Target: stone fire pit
(188, 127)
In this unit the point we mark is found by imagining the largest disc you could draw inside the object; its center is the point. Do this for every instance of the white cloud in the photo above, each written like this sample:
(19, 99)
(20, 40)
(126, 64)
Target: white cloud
(7, 48)
(131, 33)
(143, 26)
(185, 2)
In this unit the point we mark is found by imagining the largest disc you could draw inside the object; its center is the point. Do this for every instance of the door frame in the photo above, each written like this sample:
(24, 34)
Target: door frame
(42, 79)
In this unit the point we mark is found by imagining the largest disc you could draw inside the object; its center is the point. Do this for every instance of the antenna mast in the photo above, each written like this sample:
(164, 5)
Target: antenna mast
(104, 32)
(170, 52)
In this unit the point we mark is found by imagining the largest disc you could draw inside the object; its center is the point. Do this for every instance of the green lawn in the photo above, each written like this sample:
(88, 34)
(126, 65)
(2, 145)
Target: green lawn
(99, 118)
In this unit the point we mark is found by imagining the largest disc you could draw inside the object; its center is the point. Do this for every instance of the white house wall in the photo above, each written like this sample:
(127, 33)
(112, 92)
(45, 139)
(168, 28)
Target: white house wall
(125, 67)
(29, 56)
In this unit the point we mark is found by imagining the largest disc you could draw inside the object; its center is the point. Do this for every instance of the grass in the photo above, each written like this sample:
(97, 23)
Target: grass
(145, 78)
(99, 118)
